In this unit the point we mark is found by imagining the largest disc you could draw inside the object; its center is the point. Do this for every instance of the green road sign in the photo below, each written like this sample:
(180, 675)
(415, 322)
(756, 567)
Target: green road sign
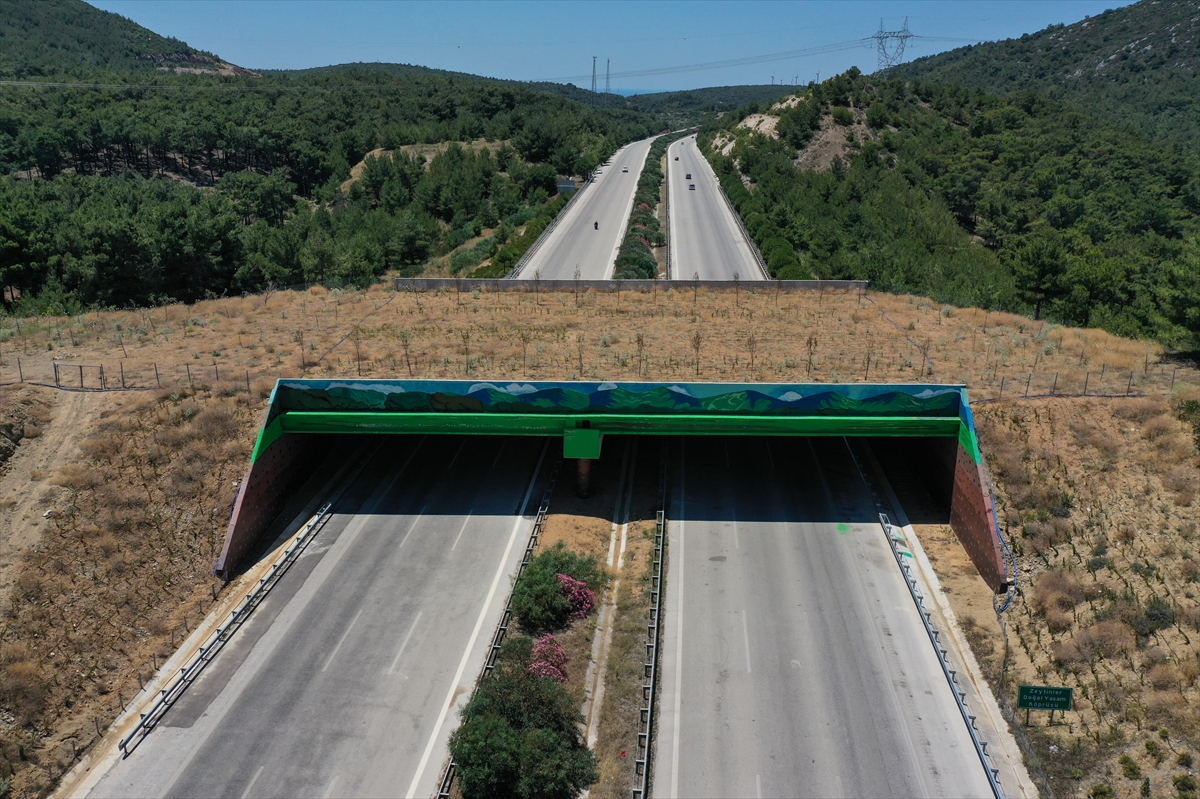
(1044, 697)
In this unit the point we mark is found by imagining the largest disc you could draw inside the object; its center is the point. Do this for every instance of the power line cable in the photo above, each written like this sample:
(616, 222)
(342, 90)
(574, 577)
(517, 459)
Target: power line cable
(731, 62)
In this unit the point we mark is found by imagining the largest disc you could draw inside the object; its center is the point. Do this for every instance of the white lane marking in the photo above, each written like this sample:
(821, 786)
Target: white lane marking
(679, 622)
(901, 717)
(396, 660)
(758, 785)
(462, 665)
(841, 793)
(498, 453)
(746, 639)
(628, 502)
(412, 526)
(612, 535)
(253, 780)
(309, 589)
(462, 530)
(329, 790)
(341, 641)
(456, 453)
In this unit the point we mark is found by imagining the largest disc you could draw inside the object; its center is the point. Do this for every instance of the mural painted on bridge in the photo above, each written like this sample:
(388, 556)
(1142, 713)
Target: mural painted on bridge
(761, 399)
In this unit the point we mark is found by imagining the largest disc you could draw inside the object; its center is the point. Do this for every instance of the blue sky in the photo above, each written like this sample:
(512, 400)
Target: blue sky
(556, 40)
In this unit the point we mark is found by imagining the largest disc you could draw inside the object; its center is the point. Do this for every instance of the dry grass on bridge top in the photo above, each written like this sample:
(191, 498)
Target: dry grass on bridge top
(676, 334)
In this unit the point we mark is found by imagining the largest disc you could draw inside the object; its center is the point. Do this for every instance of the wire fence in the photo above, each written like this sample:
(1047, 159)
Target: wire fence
(126, 375)
(1164, 377)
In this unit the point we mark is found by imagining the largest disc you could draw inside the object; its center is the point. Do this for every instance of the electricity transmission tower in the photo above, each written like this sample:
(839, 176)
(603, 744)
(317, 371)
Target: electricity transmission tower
(887, 60)
(607, 85)
(594, 72)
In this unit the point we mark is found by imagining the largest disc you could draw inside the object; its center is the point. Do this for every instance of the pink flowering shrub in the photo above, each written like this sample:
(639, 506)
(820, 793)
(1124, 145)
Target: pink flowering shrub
(549, 659)
(578, 594)
(555, 588)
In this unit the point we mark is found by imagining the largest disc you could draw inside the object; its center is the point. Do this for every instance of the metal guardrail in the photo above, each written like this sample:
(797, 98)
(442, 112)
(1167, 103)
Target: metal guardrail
(650, 688)
(533, 248)
(1010, 560)
(215, 642)
(934, 634)
(762, 265)
(447, 782)
(667, 212)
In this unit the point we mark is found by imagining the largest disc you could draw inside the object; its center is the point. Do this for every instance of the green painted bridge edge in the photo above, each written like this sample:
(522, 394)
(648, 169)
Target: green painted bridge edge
(584, 427)
(962, 427)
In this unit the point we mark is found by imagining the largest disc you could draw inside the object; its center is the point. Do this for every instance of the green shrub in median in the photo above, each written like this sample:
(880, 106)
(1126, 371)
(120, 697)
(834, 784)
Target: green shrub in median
(635, 259)
(519, 737)
(538, 599)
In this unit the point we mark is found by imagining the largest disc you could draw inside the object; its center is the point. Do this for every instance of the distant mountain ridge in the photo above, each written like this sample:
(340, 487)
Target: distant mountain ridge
(56, 37)
(69, 38)
(1138, 65)
(678, 108)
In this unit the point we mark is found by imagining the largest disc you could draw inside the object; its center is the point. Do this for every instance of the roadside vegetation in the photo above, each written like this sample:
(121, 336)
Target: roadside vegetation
(122, 569)
(520, 733)
(1024, 203)
(508, 251)
(635, 258)
(1099, 498)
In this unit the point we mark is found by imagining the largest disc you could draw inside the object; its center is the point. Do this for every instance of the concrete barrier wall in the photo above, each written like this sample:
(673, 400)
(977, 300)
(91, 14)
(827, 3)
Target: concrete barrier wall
(973, 520)
(264, 491)
(645, 286)
(955, 482)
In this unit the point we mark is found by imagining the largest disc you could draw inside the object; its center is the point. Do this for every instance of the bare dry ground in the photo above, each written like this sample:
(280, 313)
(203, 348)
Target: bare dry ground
(1097, 492)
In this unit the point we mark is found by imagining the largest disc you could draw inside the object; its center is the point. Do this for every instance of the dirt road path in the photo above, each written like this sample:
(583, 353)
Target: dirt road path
(58, 422)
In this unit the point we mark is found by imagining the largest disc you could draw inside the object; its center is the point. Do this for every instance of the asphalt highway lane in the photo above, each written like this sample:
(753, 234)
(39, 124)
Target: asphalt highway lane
(348, 679)
(705, 238)
(576, 242)
(794, 660)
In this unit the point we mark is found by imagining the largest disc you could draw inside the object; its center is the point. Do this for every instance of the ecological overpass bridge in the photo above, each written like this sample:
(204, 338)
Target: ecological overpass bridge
(792, 658)
(302, 413)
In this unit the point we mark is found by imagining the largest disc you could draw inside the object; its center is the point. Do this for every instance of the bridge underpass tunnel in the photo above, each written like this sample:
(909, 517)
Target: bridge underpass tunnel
(306, 418)
(310, 469)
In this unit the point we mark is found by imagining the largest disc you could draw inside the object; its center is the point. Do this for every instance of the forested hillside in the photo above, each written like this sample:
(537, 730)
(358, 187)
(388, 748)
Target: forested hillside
(68, 37)
(186, 185)
(1139, 65)
(1024, 203)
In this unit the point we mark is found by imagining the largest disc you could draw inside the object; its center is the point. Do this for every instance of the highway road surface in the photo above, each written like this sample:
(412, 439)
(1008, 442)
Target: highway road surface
(576, 242)
(705, 238)
(348, 679)
(794, 661)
